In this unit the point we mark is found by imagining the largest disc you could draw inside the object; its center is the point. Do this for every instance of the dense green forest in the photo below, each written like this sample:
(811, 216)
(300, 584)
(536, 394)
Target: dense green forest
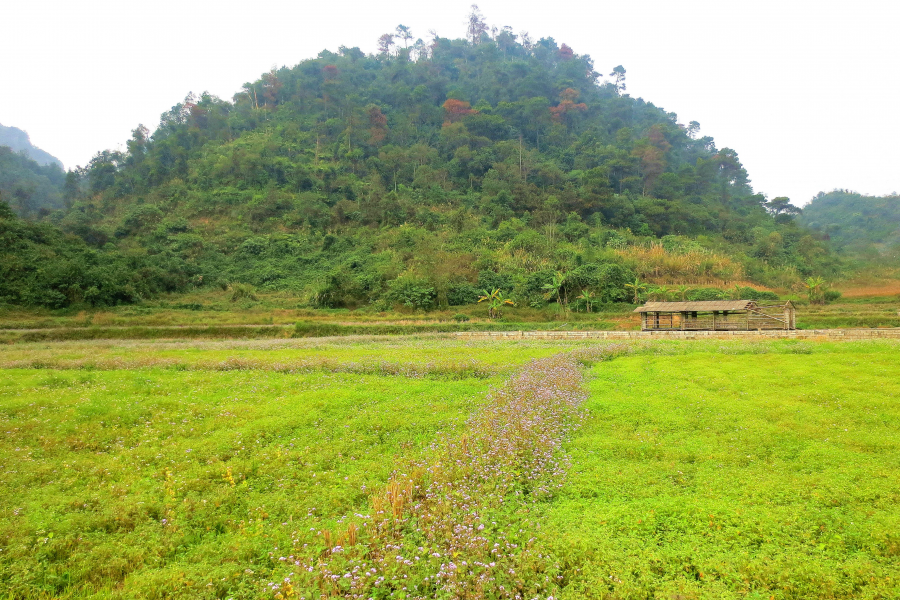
(42, 266)
(418, 176)
(863, 225)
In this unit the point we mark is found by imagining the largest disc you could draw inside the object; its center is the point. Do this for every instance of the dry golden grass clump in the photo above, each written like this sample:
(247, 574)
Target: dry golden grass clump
(696, 266)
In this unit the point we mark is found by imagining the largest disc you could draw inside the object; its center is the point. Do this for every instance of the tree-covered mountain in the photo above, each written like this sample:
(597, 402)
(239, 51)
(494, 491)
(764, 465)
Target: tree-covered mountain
(19, 141)
(425, 172)
(855, 222)
(29, 187)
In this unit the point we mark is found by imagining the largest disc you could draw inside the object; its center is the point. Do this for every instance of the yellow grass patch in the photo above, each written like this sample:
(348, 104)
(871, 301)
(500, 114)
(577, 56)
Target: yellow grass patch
(696, 266)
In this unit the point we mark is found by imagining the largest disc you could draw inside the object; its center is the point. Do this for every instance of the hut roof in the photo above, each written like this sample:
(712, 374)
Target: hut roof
(707, 306)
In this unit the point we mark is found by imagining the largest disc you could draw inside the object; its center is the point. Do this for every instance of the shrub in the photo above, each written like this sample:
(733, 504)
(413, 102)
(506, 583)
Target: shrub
(255, 246)
(461, 294)
(142, 216)
(831, 295)
(411, 292)
(242, 291)
(749, 293)
(488, 280)
(705, 294)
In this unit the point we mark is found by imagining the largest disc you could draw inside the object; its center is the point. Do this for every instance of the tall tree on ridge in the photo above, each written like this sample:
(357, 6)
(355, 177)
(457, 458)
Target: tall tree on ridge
(384, 43)
(477, 27)
(404, 34)
(619, 74)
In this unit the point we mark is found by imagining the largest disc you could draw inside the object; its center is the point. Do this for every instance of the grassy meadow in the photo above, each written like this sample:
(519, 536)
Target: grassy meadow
(768, 470)
(155, 482)
(404, 467)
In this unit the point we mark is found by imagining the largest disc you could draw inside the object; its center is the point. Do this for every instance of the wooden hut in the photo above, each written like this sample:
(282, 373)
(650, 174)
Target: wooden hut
(717, 315)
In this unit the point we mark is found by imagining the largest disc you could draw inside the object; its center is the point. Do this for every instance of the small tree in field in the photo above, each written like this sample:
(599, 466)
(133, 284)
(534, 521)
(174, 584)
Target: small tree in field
(661, 293)
(495, 302)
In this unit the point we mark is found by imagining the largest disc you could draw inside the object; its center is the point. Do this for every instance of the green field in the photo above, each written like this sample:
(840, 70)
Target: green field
(294, 468)
(700, 474)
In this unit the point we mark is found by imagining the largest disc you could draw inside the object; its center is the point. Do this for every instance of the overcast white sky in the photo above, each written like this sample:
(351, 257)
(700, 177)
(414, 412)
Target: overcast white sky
(806, 92)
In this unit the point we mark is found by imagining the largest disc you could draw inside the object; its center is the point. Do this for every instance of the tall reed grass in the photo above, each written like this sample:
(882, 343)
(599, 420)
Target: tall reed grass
(653, 261)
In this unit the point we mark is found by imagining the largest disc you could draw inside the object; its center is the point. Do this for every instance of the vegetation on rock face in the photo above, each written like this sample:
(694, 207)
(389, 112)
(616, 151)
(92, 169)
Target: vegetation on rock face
(419, 175)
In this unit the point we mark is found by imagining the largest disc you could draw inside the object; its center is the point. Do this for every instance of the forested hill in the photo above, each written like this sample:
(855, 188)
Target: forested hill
(18, 141)
(856, 222)
(30, 188)
(30, 178)
(423, 172)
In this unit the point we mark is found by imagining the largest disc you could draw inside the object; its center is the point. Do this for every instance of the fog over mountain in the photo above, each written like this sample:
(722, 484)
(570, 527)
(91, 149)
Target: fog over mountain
(19, 141)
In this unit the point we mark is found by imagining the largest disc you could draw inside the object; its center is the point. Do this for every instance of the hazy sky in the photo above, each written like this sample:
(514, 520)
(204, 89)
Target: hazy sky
(806, 92)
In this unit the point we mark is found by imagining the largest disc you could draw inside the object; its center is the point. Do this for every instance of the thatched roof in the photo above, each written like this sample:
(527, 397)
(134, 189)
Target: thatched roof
(708, 306)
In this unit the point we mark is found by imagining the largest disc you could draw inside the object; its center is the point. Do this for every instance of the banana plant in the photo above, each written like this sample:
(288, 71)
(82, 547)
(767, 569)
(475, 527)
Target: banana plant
(588, 297)
(637, 287)
(815, 290)
(557, 288)
(495, 302)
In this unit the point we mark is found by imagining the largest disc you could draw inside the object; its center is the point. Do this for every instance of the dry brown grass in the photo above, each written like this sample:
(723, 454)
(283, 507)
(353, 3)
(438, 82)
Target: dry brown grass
(888, 288)
(698, 267)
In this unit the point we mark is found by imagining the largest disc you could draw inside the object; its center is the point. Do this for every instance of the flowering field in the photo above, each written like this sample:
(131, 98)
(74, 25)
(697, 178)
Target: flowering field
(431, 467)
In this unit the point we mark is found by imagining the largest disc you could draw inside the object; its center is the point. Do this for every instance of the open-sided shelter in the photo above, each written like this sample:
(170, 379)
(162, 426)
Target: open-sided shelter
(716, 315)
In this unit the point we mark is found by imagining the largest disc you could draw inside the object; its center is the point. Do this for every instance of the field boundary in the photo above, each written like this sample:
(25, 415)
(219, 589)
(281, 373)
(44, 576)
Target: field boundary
(796, 334)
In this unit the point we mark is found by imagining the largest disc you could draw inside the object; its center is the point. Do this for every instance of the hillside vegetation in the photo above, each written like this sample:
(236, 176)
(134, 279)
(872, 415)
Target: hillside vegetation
(866, 225)
(423, 174)
(30, 188)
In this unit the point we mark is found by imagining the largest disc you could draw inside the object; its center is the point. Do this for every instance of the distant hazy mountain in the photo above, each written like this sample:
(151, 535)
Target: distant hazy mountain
(18, 140)
(27, 186)
(854, 220)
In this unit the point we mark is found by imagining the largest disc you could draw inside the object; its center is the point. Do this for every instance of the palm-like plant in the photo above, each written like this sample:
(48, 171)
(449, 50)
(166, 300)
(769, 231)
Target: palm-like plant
(683, 290)
(815, 289)
(588, 297)
(662, 293)
(495, 302)
(556, 288)
(637, 287)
